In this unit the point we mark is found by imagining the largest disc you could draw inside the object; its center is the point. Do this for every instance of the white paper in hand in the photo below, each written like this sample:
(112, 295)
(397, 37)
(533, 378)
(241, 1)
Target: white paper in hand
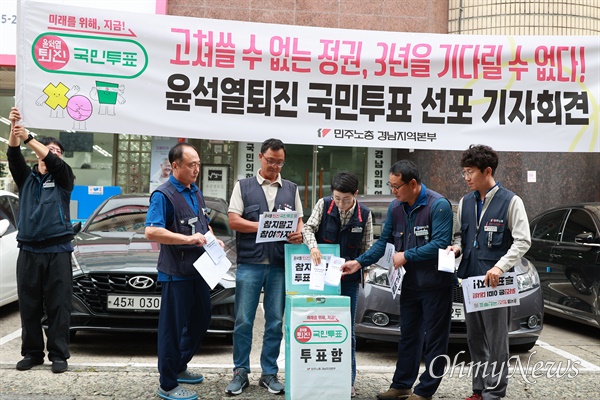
(446, 261)
(333, 276)
(213, 248)
(211, 272)
(387, 260)
(317, 275)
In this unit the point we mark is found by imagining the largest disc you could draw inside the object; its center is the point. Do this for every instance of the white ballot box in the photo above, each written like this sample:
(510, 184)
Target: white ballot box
(318, 354)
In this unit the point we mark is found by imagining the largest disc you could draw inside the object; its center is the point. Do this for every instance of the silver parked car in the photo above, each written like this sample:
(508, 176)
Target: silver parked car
(378, 317)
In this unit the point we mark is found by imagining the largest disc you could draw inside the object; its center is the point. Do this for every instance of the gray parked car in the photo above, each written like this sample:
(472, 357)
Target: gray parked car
(565, 250)
(378, 317)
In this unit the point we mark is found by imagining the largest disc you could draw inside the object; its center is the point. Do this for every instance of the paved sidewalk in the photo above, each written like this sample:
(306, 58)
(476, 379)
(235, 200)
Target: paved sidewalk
(85, 382)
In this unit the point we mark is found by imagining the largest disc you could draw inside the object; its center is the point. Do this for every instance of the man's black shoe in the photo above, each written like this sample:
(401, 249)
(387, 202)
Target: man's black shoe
(29, 362)
(59, 366)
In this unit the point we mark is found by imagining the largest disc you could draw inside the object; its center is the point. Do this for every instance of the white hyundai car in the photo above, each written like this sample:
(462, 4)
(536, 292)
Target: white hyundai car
(9, 214)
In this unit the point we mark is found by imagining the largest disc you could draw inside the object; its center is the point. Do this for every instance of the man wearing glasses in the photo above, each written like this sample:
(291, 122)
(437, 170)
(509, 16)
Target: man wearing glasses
(340, 219)
(418, 224)
(492, 232)
(260, 265)
(44, 274)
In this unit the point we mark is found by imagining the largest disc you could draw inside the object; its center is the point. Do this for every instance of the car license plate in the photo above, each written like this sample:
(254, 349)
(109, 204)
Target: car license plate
(116, 302)
(458, 312)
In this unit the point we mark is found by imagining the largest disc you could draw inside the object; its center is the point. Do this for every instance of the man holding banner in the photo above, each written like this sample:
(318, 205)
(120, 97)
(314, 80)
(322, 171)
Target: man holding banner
(419, 224)
(261, 265)
(492, 232)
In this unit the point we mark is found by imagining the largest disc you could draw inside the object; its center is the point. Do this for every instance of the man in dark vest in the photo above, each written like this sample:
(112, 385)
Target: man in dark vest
(493, 233)
(260, 265)
(177, 220)
(44, 273)
(418, 223)
(340, 219)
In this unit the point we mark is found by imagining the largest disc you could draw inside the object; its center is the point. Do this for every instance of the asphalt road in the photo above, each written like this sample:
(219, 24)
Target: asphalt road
(564, 365)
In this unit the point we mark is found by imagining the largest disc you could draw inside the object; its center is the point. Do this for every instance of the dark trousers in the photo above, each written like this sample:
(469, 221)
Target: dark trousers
(487, 336)
(45, 281)
(184, 319)
(424, 318)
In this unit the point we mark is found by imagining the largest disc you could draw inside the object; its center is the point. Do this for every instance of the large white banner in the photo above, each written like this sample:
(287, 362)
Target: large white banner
(105, 71)
(9, 18)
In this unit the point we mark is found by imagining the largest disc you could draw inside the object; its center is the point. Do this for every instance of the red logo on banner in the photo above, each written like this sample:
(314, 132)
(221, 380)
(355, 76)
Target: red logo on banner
(303, 334)
(323, 132)
(51, 52)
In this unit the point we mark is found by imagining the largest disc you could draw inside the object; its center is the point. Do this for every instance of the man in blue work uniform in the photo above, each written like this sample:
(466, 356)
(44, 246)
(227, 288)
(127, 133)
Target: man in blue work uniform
(418, 223)
(176, 219)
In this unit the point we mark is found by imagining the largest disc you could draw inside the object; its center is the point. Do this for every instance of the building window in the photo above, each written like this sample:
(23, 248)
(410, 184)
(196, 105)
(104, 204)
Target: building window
(134, 153)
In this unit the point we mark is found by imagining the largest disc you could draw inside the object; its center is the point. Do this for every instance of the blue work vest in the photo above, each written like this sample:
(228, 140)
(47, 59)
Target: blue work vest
(44, 217)
(175, 259)
(349, 236)
(255, 203)
(414, 230)
(486, 242)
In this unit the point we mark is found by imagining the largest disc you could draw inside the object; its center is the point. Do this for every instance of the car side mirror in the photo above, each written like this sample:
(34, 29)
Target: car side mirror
(4, 224)
(77, 226)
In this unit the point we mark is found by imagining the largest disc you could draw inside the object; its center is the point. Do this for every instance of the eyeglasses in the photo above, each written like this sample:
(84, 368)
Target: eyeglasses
(467, 174)
(344, 200)
(55, 150)
(395, 187)
(273, 163)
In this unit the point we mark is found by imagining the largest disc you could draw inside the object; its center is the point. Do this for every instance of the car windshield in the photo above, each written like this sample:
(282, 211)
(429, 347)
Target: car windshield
(122, 219)
(115, 216)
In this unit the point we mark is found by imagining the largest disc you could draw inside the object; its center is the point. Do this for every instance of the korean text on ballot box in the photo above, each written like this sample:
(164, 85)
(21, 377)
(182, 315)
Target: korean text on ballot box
(318, 354)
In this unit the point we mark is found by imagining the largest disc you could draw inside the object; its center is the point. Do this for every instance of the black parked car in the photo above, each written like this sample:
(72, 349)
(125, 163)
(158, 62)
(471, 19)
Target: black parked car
(378, 317)
(115, 286)
(565, 250)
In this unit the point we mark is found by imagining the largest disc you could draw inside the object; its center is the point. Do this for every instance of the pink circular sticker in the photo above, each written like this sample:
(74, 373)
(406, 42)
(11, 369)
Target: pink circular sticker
(303, 334)
(51, 52)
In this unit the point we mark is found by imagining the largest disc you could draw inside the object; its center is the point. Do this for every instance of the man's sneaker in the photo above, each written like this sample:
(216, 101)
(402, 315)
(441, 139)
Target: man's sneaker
(272, 384)
(394, 394)
(190, 377)
(238, 383)
(59, 366)
(29, 362)
(179, 393)
(475, 396)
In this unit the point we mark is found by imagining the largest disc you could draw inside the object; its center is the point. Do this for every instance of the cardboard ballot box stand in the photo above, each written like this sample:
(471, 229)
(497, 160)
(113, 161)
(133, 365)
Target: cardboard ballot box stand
(318, 334)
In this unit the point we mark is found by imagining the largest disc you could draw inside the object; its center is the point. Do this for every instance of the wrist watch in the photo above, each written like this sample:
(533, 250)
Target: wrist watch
(29, 137)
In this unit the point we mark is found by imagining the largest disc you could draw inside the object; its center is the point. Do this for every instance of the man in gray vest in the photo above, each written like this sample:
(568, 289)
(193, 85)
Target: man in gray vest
(418, 224)
(261, 265)
(492, 232)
